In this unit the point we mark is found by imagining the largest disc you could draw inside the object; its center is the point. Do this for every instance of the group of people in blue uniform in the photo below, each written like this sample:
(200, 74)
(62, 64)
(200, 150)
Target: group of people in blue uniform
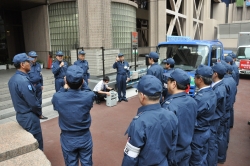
(169, 129)
(175, 128)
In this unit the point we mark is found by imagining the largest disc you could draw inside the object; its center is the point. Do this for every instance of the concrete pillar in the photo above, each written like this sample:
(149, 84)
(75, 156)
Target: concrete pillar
(36, 31)
(153, 23)
(188, 10)
(161, 21)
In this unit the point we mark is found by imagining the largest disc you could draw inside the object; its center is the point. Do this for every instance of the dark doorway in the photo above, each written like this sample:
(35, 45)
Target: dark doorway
(11, 35)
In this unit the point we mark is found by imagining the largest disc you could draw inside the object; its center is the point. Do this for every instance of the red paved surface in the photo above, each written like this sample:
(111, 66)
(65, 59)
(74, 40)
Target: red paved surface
(110, 123)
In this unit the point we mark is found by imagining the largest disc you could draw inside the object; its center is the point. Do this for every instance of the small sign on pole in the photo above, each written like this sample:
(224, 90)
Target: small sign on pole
(134, 39)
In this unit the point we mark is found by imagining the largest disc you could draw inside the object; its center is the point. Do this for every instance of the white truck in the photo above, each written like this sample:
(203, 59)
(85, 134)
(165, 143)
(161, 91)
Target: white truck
(243, 53)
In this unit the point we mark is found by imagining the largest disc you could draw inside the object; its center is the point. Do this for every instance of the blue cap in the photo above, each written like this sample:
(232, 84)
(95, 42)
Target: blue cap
(120, 54)
(74, 74)
(59, 53)
(228, 66)
(204, 71)
(22, 57)
(228, 59)
(169, 61)
(180, 76)
(219, 68)
(82, 53)
(32, 54)
(149, 85)
(233, 55)
(153, 55)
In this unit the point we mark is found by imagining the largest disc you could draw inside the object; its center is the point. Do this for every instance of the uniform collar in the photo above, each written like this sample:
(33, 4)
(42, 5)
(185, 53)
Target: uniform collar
(227, 75)
(215, 83)
(177, 95)
(148, 108)
(205, 88)
(156, 63)
(21, 73)
(73, 90)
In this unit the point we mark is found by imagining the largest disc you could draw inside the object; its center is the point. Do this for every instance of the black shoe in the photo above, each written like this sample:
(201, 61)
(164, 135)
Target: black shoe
(97, 101)
(221, 162)
(126, 100)
(248, 123)
(119, 100)
(43, 117)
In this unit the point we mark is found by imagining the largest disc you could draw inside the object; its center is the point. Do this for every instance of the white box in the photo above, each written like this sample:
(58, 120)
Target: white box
(112, 99)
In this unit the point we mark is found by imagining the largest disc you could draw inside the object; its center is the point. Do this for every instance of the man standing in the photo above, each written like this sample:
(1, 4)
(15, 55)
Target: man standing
(36, 77)
(185, 108)
(152, 134)
(102, 89)
(73, 105)
(23, 95)
(207, 101)
(169, 65)
(235, 68)
(123, 75)
(59, 68)
(216, 129)
(81, 62)
(155, 69)
(231, 90)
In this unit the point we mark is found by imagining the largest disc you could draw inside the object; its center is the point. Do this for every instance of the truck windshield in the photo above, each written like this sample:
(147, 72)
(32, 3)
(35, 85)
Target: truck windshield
(187, 57)
(243, 53)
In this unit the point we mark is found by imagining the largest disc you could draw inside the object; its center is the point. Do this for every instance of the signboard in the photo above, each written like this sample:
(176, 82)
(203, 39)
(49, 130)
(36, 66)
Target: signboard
(247, 2)
(134, 39)
(244, 64)
(177, 38)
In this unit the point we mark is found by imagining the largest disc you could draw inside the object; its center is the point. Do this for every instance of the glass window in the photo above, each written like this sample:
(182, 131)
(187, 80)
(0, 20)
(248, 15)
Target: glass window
(63, 22)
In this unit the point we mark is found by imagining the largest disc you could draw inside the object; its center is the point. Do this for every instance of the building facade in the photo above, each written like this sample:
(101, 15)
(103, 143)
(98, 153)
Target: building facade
(50, 25)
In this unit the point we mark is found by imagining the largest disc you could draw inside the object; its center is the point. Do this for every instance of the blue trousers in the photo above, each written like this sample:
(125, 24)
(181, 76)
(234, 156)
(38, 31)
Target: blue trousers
(199, 148)
(39, 93)
(39, 138)
(182, 157)
(212, 155)
(59, 82)
(223, 142)
(231, 124)
(121, 86)
(75, 147)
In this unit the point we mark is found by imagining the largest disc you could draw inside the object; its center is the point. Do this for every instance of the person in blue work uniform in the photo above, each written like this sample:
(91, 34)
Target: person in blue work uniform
(207, 102)
(155, 69)
(59, 68)
(231, 90)
(169, 67)
(23, 95)
(73, 105)
(215, 123)
(36, 77)
(123, 75)
(235, 68)
(233, 74)
(81, 62)
(185, 108)
(152, 134)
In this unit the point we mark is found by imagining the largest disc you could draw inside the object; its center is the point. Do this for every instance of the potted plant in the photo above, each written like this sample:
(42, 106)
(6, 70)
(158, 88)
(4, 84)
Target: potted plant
(2, 66)
(41, 63)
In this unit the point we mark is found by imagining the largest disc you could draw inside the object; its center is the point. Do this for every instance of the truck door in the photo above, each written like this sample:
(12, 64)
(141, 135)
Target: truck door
(216, 54)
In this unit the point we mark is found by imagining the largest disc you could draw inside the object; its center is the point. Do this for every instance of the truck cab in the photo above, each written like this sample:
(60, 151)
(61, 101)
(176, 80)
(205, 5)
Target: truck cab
(189, 54)
(243, 59)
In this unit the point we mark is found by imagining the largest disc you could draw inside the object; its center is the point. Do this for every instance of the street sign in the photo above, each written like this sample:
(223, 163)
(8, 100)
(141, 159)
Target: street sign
(134, 39)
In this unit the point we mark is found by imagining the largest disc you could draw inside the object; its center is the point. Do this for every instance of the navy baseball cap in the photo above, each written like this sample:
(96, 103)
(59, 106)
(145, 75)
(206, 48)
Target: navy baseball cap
(120, 54)
(22, 57)
(180, 76)
(32, 54)
(149, 85)
(228, 66)
(228, 59)
(219, 68)
(204, 71)
(153, 55)
(82, 53)
(233, 55)
(169, 61)
(59, 53)
(74, 74)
